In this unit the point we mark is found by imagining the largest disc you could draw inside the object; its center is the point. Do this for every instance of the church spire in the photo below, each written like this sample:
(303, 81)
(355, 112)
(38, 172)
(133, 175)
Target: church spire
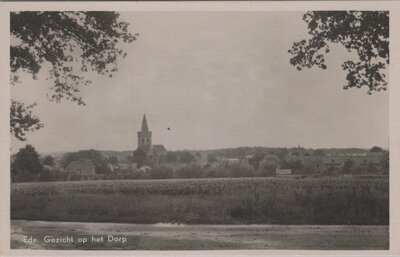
(144, 136)
(144, 123)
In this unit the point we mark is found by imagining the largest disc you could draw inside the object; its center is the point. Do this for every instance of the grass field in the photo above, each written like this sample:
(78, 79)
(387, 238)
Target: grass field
(326, 200)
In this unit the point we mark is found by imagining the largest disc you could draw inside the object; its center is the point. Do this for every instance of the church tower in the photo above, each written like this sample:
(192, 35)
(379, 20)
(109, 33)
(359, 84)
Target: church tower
(144, 136)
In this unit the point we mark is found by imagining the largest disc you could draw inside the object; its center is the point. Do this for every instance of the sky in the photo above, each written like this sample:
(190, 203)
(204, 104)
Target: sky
(217, 80)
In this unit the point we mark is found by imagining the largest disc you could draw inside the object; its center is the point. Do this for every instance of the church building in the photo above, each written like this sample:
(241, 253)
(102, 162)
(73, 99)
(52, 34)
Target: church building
(154, 153)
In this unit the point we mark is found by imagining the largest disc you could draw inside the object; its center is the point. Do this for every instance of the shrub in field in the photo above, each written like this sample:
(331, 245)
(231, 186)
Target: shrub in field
(189, 171)
(23, 176)
(215, 172)
(237, 171)
(73, 177)
(308, 168)
(264, 173)
(161, 172)
(53, 175)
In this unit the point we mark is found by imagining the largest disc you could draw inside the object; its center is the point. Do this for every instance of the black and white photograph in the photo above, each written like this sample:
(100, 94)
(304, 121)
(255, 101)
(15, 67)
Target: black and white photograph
(199, 130)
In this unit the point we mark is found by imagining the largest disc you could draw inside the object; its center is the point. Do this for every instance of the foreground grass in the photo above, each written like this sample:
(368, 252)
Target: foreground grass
(200, 237)
(328, 200)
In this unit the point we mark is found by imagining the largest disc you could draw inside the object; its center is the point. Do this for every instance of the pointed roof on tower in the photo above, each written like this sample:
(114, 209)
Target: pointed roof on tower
(144, 123)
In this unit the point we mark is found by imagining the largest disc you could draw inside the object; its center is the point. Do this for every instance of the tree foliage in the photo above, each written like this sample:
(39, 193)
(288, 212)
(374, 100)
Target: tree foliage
(363, 32)
(319, 153)
(211, 158)
(293, 162)
(189, 171)
(22, 120)
(282, 153)
(161, 172)
(348, 166)
(376, 149)
(71, 44)
(26, 165)
(112, 159)
(257, 158)
(171, 157)
(49, 160)
(139, 156)
(186, 157)
(270, 163)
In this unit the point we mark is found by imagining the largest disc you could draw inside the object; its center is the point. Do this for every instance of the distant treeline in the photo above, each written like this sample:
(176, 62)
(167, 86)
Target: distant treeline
(28, 166)
(243, 151)
(239, 152)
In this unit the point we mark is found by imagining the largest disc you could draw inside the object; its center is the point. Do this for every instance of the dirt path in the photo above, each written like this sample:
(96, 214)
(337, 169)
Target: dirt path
(194, 237)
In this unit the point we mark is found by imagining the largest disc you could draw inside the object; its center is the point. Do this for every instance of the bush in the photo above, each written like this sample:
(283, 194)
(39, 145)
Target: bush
(308, 168)
(215, 172)
(23, 176)
(73, 177)
(265, 173)
(332, 171)
(132, 174)
(161, 173)
(53, 175)
(190, 171)
(237, 171)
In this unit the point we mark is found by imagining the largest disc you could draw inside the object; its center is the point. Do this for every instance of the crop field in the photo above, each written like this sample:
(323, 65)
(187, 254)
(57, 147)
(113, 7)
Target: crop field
(325, 200)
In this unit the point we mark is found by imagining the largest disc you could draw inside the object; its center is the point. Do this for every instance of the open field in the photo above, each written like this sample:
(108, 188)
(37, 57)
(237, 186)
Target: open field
(326, 200)
(200, 237)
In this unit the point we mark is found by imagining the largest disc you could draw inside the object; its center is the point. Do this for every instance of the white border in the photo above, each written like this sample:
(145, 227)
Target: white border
(394, 89)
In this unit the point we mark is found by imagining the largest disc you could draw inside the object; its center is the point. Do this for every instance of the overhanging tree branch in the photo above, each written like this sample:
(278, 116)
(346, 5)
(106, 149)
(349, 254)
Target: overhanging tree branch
(72, 43)
(363, 32)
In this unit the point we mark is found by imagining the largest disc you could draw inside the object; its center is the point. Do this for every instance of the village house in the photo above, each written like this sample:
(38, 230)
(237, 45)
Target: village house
(371, 158)
(84, 169)
(336, 161)
(232, 161)
(120, 166)
(283, 172)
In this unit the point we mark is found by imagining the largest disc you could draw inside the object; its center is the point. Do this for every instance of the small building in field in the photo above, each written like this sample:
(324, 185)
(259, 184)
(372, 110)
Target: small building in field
(233, 161)
(224, 161)
(283, 172)
(126, 165)
(84, 169)
(145, 168)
